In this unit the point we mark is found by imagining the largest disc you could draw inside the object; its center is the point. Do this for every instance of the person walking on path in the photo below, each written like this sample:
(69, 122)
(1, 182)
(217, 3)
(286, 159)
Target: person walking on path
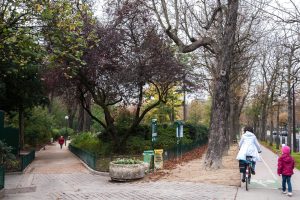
(61, 141)
(286, 164)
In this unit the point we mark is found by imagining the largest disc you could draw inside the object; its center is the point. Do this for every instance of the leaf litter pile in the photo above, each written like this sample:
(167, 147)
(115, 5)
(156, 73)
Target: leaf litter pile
(173, 163)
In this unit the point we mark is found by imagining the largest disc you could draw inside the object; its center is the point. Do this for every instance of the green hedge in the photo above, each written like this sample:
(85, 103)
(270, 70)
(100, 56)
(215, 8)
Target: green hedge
(141, 139)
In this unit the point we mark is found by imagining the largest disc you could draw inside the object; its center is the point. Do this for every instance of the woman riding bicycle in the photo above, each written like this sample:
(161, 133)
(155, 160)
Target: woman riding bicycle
(249, 146)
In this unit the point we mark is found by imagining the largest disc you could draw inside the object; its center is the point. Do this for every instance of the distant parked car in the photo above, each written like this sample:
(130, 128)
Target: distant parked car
(283, 133)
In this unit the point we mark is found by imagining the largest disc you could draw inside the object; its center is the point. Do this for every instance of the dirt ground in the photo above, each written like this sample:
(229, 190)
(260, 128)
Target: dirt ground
(191, 169)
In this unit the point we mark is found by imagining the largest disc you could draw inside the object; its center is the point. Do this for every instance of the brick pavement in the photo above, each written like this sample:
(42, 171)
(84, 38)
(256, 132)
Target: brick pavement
(65, 187)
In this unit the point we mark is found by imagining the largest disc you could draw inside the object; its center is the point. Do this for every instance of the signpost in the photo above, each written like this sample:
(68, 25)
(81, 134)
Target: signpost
(154, 131)
(179, 136)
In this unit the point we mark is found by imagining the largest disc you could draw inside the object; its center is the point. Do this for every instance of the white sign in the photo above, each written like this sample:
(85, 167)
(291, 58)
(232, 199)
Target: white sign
(179, 131)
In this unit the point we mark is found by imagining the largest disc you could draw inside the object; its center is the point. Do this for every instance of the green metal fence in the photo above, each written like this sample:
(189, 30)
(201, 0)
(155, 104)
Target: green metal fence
(2, 177)
(179, 149)
(27, 159)
(87, 157)
(102, 163)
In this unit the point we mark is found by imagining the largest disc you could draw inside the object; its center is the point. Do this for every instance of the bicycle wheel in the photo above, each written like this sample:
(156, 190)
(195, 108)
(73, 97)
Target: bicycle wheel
(247, 177)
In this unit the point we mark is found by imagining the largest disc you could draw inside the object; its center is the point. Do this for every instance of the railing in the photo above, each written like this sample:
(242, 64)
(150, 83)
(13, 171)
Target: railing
(27, 159)
(87, 157)
(2, 175)
(102, 163)
(179, 149)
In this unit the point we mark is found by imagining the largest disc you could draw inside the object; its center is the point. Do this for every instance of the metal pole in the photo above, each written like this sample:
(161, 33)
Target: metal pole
(184, 104)
(184, 99)
(66, 133)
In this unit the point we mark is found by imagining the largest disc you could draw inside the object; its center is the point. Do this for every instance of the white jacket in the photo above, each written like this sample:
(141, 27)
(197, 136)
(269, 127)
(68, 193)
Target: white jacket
(249, 146)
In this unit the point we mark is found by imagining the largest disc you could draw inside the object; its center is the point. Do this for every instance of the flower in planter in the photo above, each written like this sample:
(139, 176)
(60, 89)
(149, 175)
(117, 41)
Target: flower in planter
(127, 161)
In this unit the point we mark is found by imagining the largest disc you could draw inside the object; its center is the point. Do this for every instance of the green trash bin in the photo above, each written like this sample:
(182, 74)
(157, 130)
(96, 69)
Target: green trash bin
(149, 158)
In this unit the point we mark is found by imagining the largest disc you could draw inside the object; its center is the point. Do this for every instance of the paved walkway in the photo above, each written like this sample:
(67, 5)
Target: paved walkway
(58, 174)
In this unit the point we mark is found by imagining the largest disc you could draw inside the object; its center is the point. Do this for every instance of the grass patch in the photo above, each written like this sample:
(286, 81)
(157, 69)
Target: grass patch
(296, 156)
(297, 159)
(272, 148)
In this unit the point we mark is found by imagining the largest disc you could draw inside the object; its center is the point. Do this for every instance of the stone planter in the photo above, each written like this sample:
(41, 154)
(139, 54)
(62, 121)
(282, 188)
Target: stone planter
(126, 172)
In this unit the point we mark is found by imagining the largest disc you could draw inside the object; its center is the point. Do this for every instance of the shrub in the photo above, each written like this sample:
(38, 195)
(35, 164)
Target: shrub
(167, 137)
(56, 133)
(137, 144)
(196, 131)
(88, 142)
(5, 154)
(38, 127)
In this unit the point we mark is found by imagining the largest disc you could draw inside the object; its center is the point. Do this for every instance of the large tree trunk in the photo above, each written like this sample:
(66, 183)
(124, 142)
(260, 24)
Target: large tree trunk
(218, 127)
(220, 108)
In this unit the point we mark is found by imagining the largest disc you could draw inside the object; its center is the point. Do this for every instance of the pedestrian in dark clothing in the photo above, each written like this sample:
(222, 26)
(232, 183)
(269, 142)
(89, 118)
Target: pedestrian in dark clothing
(286, 164)
(61, 141)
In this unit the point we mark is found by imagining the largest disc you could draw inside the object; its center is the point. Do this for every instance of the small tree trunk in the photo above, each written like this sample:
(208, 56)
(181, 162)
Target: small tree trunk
(50, 105)
(87, 117)
(111, 128)
(21, 127)
(234, 118)
(263, 125)
(80, 119)
(87, 122)
(72, 109)
(290, 115)
(277, 127)
(271, 128)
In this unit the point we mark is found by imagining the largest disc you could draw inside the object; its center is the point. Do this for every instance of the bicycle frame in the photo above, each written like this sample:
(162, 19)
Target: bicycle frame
(248, 171)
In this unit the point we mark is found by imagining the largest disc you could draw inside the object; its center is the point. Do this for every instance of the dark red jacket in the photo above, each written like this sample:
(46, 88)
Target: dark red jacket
(61, 140)
(286, 165)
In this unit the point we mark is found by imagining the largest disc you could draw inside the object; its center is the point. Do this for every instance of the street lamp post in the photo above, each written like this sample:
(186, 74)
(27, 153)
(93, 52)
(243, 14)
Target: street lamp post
(66, 132)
